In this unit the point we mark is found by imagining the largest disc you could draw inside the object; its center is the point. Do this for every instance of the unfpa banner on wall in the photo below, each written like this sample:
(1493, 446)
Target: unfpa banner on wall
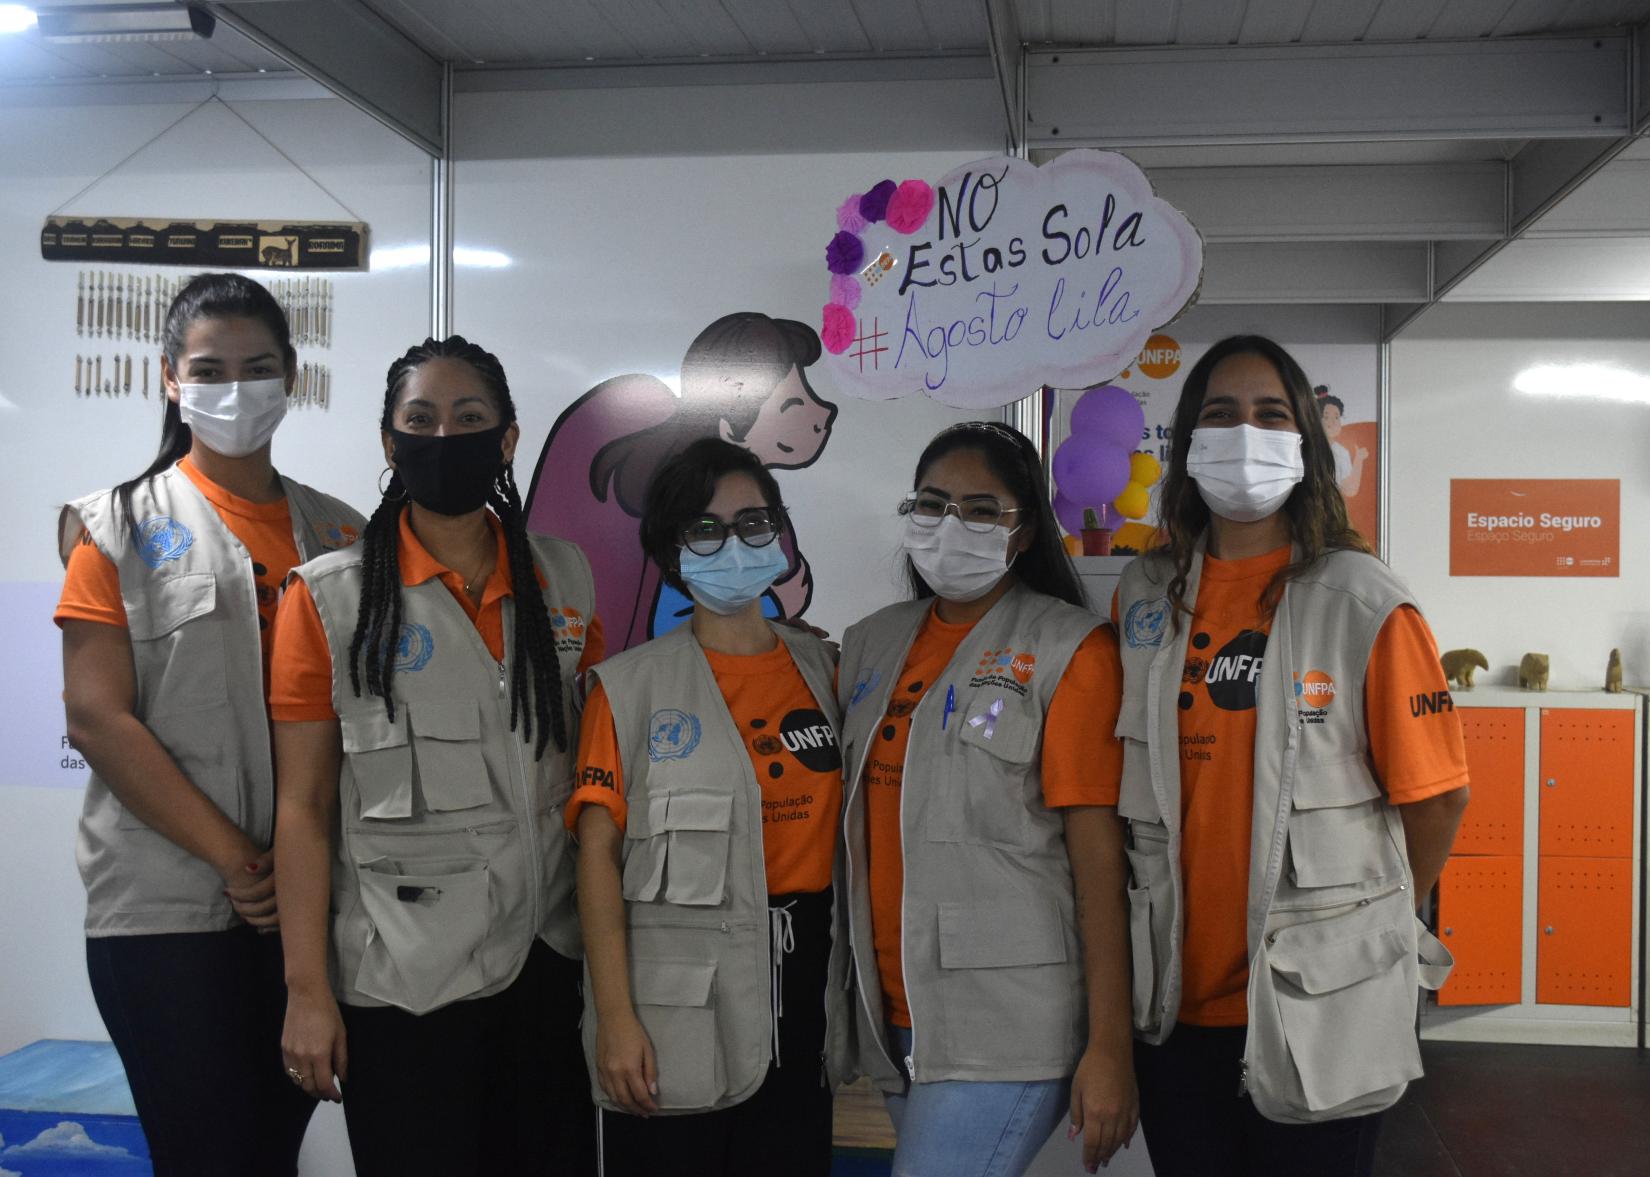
(1003, 277)
(1535, 527)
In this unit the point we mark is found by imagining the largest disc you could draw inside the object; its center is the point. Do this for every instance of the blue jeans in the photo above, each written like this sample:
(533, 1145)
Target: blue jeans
(962, 1129)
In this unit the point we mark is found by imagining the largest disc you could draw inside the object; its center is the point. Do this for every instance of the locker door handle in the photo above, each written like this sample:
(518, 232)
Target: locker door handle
(1449, 931)
(1548, 930)
(1552, 782)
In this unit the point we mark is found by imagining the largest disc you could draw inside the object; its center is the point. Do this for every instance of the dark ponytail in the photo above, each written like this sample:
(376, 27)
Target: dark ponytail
(378, 624)
(1044, 566)
(205, 296)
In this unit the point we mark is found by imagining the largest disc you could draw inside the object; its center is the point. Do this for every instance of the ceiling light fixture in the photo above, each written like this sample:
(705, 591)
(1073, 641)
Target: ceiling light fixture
(14, 18)
(126, 22)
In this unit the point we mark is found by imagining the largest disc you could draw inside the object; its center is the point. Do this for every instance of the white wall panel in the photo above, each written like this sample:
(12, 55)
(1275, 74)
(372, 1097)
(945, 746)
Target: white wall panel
(1455, 415)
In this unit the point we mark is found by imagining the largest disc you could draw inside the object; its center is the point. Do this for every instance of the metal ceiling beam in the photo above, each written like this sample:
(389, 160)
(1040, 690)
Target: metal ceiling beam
(1371, 272)
(1537, 87)
(353, 52)
(1008, 64)
(1340, 202)
(723, 72)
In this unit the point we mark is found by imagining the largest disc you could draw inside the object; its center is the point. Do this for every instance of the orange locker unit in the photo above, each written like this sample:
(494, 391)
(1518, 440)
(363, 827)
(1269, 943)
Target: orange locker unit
(1539, 901)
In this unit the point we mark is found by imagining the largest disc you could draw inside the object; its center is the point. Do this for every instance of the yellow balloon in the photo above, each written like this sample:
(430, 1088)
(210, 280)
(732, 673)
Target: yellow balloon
(1134, 502)
(1144, 469)
(1134, 538)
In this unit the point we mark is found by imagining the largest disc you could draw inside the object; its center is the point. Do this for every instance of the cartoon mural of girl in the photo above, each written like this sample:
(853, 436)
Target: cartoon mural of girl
(1349, 469)
(744, 380)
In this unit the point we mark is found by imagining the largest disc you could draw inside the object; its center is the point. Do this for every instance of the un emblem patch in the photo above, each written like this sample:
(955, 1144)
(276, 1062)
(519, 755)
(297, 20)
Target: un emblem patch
(672, 735)
(414, 647)
(161, 539)
(1145, 622)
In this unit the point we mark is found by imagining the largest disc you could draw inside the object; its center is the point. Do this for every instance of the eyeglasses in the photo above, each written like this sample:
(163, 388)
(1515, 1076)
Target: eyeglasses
(756, 527)
(977, 512)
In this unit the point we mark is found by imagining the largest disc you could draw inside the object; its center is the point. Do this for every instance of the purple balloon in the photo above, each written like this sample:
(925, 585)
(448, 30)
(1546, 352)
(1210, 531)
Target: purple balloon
(1108, 414)
(1068, 513)
(1090, 473)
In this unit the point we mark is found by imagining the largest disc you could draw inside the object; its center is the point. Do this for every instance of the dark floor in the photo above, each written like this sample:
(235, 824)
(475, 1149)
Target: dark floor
(1521, 1111)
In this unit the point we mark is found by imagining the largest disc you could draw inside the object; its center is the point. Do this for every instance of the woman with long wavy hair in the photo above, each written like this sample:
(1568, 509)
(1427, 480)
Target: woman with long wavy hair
(422, 694)
(1287, 807)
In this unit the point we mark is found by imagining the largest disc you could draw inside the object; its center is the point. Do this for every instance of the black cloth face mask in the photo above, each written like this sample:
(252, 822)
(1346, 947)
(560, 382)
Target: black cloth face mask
(450, 475)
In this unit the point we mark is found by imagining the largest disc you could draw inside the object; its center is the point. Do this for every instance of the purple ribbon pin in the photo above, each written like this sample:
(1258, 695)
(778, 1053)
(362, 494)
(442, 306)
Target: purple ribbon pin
(989, 719)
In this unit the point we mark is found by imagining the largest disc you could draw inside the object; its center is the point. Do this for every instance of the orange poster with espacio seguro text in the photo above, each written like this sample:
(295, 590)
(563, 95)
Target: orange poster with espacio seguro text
(1534, 527)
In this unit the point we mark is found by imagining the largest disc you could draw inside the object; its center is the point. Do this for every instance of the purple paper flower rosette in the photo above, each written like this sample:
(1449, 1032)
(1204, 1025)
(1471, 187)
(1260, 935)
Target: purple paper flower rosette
(847, 214)
(845, 290)
(910, 205)
(844, 254)
(836, 330)
(873, 206)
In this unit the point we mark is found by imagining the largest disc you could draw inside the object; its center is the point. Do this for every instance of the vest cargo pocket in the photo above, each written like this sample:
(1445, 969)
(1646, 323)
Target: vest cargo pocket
(1345, 993)
(984, 803)
(1338, 833)
(196, 746)
(191, 658)
(672, 1000)
(380, 761)
(678, 850)
(1000, 935)
(452, 773)
(425, 927)
(1011, 990)
(1140, 947)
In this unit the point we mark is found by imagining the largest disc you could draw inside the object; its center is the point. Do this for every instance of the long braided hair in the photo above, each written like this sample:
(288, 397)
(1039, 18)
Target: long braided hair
(376, 643)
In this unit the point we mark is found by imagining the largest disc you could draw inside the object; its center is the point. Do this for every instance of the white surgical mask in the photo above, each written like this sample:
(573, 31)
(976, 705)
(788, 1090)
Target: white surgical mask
(958, 564)
(729, 579)
(1245, 473)
(234, 419)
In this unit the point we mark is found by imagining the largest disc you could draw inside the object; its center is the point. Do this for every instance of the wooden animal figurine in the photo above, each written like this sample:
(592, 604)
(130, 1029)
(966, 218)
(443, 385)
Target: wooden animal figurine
(1458, 666)
(1532, 672)
(1612, 673)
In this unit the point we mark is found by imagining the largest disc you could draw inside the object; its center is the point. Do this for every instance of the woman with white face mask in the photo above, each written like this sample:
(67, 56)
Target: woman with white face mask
(985, 864)
(709, 783)
(172, 583)
(1288, 808)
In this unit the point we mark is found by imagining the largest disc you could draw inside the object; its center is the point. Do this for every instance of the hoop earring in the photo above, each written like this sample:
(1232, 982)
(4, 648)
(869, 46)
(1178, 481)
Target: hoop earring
(383, 491)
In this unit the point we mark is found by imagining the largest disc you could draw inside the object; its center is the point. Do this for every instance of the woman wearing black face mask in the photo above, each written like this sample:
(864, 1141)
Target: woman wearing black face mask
(422, 696)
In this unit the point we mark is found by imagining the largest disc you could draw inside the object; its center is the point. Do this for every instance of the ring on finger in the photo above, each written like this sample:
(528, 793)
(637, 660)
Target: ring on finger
(295, 1075)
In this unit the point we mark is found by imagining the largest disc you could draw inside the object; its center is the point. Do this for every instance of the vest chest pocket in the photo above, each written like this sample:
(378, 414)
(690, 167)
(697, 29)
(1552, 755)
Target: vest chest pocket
(380, 762)
(673, 1003)
(180, 666)
(676, 851)
(429, 918)
(452, 773)
(985, 800)
(1338, 833)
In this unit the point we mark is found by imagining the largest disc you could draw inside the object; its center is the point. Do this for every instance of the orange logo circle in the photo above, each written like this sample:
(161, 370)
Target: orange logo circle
(1022, 666)
(1317, 689)
(1160, 358)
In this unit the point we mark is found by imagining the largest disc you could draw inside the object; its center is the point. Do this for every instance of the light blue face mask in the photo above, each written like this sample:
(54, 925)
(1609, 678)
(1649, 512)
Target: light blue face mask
(733, 576)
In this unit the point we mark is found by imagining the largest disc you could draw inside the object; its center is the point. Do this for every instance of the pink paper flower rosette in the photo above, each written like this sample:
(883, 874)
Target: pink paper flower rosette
(837, 331)
(845, 290)
(910, 205)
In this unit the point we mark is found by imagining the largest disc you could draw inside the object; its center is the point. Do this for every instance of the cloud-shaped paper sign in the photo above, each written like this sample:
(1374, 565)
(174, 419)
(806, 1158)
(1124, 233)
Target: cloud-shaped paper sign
(1002, 277)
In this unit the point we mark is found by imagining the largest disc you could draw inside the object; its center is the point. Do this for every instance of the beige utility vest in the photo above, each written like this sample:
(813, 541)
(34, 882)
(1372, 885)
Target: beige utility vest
(452, 855)
(993, 966)
(695, 880)
(192, 615)
(1336, 955)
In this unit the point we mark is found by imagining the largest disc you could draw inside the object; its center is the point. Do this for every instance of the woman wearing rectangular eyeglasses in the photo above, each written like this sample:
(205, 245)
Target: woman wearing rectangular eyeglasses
(709, 784)
(984, 859)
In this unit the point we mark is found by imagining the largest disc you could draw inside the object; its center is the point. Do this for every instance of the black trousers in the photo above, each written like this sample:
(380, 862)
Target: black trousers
(1197, 1125)
(785, 1127)
(196, 1018)
(480, 1088)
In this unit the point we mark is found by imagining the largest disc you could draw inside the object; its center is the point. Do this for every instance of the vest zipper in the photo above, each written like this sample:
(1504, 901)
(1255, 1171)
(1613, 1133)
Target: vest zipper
(530, 814)
(1243, 1077)
(853, 941)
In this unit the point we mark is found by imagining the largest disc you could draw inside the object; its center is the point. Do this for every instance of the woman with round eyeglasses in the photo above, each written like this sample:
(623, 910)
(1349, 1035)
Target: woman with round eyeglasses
(985, 869)
(708, 789)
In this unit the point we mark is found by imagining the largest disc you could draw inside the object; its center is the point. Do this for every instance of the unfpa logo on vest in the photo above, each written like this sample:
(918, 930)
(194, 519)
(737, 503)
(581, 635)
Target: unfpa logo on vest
(1314, 692)
(1005, 668)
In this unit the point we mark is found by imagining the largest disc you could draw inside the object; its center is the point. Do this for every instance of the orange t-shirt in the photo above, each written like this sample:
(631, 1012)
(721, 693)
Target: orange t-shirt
(792, 747)
(91, 585)
(1078, 768)
(1413, 758)
(300, 688)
